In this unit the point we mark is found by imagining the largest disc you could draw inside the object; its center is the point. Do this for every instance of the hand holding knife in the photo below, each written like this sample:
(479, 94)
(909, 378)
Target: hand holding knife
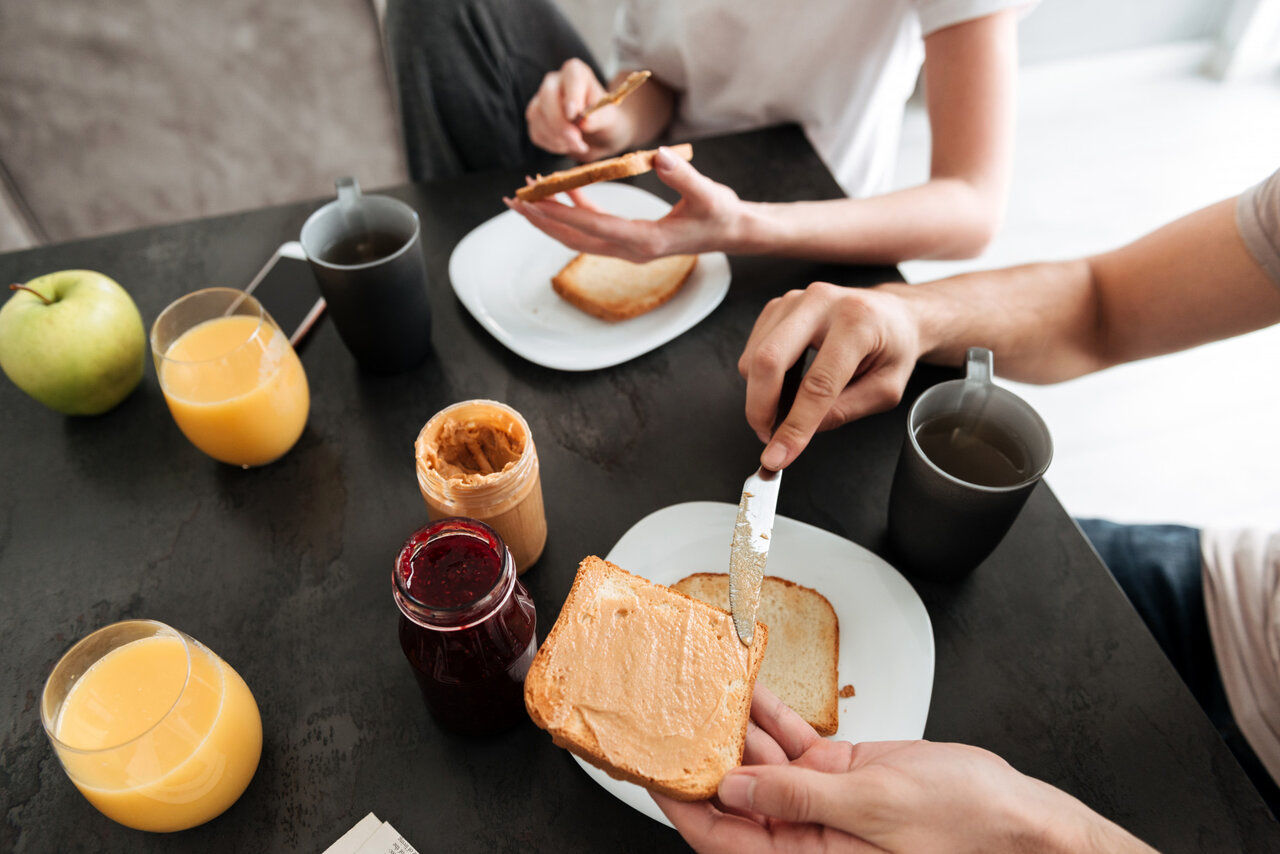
(749, 550)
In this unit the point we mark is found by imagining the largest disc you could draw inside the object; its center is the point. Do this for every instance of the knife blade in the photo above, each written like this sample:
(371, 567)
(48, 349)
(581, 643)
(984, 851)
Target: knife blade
(633, 81)
(749, 550)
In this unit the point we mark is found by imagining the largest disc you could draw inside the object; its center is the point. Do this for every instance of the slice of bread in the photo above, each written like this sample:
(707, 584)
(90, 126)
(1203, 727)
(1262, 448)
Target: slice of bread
(623, 166)
(802, 664)
(645, 683)
(612, 289)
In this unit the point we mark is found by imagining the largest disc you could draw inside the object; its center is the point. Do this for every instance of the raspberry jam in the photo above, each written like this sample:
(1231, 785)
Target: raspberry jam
(467, 624)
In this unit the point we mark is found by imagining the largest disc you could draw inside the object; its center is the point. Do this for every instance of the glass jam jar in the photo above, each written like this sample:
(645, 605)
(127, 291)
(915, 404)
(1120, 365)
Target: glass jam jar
(467, 624)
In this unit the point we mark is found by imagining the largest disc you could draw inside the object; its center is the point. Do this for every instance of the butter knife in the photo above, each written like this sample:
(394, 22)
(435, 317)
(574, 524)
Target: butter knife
(633, 81)
(749, 551)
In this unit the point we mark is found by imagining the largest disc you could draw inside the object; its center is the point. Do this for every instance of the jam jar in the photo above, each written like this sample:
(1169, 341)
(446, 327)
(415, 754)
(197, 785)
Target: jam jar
(467, 624)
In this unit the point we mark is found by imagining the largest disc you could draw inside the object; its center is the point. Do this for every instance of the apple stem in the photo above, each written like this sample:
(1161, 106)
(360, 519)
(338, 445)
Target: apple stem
(47, 301)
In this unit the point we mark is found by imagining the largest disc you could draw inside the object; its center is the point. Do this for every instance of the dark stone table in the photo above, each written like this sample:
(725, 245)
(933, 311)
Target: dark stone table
(284, 571)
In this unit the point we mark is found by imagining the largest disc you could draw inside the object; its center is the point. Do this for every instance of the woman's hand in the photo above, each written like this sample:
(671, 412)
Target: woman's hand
(553, 115)
(708, 217)
(805, 793)
(867, 341)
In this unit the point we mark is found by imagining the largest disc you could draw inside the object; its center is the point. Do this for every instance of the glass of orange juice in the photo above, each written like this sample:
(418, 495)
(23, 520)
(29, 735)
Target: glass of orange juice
(231, 379)
(154, 729)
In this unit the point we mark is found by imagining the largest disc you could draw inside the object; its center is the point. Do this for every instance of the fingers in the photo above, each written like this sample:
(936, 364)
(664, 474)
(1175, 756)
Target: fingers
(710, 831)
(792, 735)
(760, 748)
(578, 88)
(877, 391)
(567, 235)
(837, 362)
(794, 794)
(867, 347)
(680, 175)
(637, 240)
(801, 323)
(548, 115)
(580, 199)
(601, 120)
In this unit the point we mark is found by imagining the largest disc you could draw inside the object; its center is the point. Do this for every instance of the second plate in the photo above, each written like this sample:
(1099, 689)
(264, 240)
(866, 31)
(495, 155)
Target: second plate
(502, 272)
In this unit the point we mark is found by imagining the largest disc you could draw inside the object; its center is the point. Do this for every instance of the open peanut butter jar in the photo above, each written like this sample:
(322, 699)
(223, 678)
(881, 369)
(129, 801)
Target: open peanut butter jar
(477, 459)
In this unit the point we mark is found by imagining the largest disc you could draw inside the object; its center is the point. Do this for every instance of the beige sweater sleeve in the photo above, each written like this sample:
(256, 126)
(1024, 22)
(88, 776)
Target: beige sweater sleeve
(1258, 219)
(1242, 601)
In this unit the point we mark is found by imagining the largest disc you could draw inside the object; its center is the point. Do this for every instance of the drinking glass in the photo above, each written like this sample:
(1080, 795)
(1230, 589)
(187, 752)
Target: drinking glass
(155, 730)
(231, 379)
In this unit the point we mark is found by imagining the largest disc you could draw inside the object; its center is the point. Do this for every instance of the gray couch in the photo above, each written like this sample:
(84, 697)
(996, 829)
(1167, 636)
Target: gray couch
(116, 114)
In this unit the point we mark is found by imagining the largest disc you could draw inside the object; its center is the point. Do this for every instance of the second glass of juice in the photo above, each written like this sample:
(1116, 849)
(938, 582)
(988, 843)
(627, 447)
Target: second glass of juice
(232, 381)
(155, 730)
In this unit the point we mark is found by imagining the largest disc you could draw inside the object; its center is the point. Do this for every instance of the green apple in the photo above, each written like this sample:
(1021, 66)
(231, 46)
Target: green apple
(73, 340)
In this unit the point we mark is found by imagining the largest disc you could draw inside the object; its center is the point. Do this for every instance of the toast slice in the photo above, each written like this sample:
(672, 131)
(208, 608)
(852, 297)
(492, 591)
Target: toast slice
(645, 683)
(802, 664)
(622, 166)
(613, 289)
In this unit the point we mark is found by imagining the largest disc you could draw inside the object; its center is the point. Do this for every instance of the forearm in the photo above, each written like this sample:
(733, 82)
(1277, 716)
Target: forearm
(1190, 282)
(1041, 320)
(1049, 821)
(943, 218)
(647, 111)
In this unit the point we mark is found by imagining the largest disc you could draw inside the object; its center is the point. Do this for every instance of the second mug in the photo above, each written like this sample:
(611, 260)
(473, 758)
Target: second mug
(366, 253)
(972, 455)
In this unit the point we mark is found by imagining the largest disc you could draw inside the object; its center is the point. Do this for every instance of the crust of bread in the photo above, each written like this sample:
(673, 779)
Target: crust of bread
(623, 166)
(827, 720)
(566, 285)
(695, 788)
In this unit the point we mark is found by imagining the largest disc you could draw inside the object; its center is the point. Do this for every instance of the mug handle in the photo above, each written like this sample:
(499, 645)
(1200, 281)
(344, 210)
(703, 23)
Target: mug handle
(348, 192)
(979, 366)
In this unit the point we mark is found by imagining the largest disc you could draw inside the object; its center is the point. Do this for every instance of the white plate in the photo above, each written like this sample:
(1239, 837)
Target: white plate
(886, 640)
(502, 272)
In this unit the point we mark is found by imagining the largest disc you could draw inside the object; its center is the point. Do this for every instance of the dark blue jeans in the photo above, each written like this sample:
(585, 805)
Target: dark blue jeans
(1159, 569)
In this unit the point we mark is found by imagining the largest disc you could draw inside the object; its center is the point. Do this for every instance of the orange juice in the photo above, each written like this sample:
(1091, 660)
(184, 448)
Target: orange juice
(236, 389)
(157, 739)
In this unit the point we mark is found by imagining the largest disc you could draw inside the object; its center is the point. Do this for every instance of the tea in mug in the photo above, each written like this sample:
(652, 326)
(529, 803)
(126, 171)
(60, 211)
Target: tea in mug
(363, 248)
(975, 450)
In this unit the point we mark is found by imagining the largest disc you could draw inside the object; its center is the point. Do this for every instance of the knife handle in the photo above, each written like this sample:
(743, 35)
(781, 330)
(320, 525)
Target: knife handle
(790, 386)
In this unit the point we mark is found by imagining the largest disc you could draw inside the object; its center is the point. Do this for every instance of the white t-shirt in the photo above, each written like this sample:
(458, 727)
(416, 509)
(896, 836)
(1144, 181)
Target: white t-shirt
(1242, 568)
(842, 69)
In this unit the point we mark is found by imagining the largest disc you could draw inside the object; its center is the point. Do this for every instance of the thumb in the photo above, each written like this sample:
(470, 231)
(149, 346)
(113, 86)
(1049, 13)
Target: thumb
(789, 793)
(679, 174)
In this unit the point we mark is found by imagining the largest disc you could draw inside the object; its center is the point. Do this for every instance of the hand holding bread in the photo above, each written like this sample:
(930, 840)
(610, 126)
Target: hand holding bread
(708, 217)
(800, 792)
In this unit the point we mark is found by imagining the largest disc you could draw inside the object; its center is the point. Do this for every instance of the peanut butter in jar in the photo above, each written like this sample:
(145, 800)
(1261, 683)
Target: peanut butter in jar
(477, 459)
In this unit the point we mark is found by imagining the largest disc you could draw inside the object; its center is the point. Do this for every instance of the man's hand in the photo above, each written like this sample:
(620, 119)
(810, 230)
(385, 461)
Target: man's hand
(705, 219)
(867, 342)
(811, 794)
(553, 115)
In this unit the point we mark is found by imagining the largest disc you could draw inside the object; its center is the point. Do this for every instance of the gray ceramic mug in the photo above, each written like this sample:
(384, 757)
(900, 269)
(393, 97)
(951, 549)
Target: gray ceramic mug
(943, 519)
(366, 253)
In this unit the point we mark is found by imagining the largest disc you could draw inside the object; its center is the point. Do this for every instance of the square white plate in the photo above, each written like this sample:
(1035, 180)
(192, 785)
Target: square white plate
(886, 639)
(502, 272)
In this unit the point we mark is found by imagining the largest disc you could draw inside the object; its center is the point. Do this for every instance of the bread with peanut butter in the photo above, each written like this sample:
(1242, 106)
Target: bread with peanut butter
(622, 166)
(648, 684)
(802, 664)
(613, 289)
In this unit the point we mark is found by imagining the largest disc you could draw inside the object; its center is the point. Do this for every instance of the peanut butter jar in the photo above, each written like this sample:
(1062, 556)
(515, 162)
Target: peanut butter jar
(477, 459)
